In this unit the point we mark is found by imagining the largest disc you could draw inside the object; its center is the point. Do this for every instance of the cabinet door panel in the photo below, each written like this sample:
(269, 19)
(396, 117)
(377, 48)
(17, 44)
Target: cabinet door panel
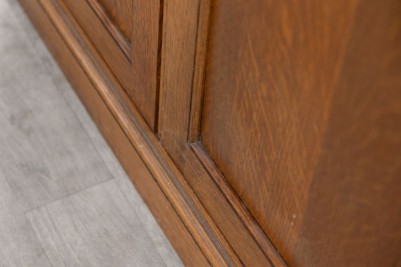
(301, 114)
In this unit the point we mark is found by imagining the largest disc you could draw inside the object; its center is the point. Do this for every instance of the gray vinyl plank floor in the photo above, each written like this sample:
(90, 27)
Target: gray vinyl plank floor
(64, 198)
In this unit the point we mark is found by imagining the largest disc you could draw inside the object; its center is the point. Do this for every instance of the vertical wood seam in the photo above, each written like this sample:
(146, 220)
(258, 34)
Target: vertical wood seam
(159, 63)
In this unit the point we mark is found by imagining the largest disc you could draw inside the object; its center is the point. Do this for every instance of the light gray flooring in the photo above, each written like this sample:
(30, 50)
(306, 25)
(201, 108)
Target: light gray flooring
(64, 199)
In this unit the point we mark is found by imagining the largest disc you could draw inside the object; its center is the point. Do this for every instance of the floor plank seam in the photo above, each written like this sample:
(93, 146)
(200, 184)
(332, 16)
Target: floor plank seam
(67, 196)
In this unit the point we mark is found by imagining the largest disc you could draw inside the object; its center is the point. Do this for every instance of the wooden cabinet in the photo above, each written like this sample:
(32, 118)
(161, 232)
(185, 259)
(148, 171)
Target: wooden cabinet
(260, 133)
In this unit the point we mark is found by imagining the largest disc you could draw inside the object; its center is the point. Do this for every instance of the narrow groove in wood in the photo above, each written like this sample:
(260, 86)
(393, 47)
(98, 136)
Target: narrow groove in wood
(199, 72)
(159, 63)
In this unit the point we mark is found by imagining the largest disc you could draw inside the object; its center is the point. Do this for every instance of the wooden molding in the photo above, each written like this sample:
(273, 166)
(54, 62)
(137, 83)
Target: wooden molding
(237, 204)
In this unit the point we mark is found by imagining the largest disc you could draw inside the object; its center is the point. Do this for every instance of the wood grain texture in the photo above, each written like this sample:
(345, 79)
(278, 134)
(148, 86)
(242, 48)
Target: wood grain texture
(302, 114)
(102, 40)
(138, 72)
(180, 25)
(202, 36)
(238, 206)
(114, 30)
(121, 12)
(146, 42)
(230, 223)
(180, 35)
(87, 87)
